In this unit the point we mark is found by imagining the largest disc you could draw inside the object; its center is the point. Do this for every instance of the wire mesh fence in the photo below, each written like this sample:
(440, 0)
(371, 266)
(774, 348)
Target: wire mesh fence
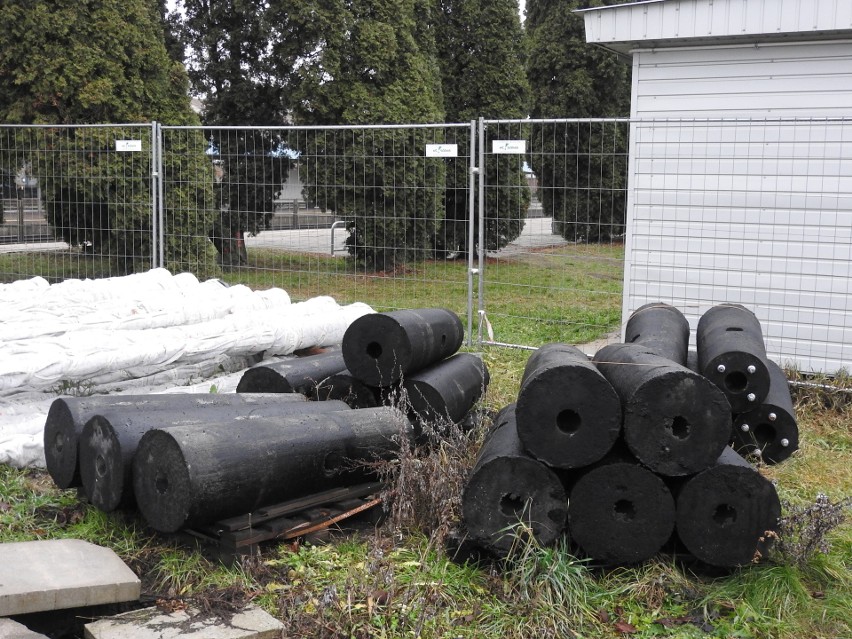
(534, 231)
(553, 208)
(77, 200)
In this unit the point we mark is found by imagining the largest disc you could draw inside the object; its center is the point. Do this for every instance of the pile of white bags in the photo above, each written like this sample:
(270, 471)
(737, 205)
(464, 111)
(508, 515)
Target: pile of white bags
(139, 333)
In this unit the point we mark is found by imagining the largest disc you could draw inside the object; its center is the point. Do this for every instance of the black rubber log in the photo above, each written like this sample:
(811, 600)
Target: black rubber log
(446, 391)
(568, 414)
(660, 328)
(67, 416)
(724, 512)
(732, 355)
(347, 388)
(188, 475)
(676, 422)
(295, 375)
(620, 512)
(109, 440)
(769, 430)
(381, 348)
(507, 487)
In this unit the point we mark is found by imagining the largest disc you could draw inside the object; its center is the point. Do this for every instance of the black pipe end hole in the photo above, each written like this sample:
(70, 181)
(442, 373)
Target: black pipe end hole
(725, 515)
(374, 350)
(679, 427)
(568, 421)
(100, 466)
(512, 506)
(734, 329)
(624, 510)
(764, 434)
(736, 381)
(161, 483)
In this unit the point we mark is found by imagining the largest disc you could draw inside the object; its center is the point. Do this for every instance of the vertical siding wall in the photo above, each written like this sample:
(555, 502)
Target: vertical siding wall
(741, 190)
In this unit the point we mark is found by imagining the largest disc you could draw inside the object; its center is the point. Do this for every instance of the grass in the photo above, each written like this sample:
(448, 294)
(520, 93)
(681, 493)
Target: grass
(398, 581)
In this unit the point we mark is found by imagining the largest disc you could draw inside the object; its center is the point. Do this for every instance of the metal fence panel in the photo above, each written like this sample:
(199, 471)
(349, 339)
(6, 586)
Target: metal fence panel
(756, 212)
(76, 200)
(327, 210)
(552, 205)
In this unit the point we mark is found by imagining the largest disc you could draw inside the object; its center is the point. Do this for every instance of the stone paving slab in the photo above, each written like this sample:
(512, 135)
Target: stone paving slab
(10, 629)
(151, 623)
(54, 574)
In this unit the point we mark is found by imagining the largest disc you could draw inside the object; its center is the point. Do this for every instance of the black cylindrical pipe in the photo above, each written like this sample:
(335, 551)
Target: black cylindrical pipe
(676, 422)
(380, 348)
(507, 487)
(662, 329)
(295, 375)
(446, 391)
(67, 416)
(725, 512)
(109, 440)
(568, 414)
(347, 388)
(770, 430)
(620, 512)
(732, 355)
(185, 476)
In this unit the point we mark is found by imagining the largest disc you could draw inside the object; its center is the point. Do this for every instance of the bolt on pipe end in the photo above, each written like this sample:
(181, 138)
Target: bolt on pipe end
(751, 397)
(745, 428)
(772, 417)
(785, 442)
(752, 369)
(720, 368)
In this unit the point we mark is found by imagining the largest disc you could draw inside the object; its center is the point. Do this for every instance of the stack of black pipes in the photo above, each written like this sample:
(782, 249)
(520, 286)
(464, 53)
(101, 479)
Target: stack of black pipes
(410, 352)
(629, 453)
(186, 460)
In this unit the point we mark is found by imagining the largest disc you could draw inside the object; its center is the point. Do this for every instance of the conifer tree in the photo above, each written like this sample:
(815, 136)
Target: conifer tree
(581, 168)
(71, 62)
(481, 54)
(371, 63)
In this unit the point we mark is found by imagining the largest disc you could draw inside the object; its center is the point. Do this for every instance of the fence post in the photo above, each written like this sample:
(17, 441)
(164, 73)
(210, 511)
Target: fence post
(161, 207)
(471, 199)
(155, 180)
(480, 245)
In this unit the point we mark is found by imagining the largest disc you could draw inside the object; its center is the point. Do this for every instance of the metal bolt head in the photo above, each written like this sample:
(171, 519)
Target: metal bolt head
(785, 442)
(720, 368)
(752, 369)
(751, 397)
(745, 428)
(772, 417)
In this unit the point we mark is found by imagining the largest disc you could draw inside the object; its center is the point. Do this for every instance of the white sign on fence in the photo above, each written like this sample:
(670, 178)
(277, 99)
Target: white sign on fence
(509, 146)
(128, 145)
(442, 150)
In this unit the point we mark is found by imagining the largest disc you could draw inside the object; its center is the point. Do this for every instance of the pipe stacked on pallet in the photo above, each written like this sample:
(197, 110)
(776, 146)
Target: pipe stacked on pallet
(414, 350)
(625, 453)
(190, 459)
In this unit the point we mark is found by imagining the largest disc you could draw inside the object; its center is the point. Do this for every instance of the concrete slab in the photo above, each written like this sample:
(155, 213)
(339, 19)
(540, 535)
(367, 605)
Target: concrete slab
(151, 623)
(13, 630)
(61, 573)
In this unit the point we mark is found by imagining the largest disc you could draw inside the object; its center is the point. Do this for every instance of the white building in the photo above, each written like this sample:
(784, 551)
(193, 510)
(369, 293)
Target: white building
(740, 183)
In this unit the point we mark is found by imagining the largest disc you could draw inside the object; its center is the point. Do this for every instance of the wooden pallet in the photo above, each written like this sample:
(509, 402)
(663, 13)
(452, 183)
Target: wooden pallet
(242, 535)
